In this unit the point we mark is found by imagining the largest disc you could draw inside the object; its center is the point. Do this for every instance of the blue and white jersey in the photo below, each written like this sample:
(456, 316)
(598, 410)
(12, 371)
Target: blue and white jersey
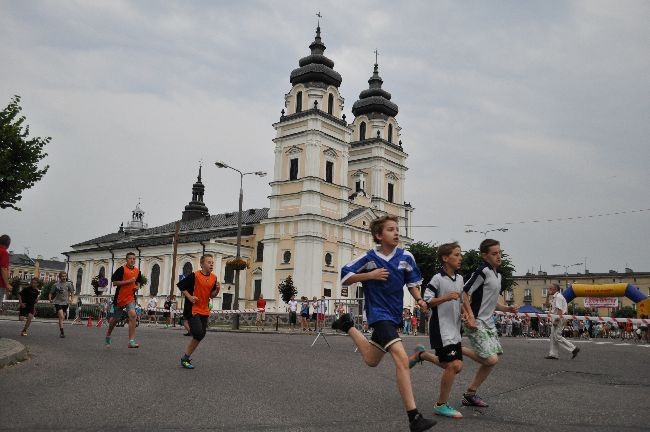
(484, 286)
(385, 299)
(444, 325)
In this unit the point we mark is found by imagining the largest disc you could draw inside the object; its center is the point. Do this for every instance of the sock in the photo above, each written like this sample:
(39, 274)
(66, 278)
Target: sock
(470, 392)
(439, 404)
(412, 413)
(186, 357)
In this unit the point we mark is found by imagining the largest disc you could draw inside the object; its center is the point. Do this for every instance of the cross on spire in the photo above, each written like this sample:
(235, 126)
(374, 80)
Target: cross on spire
(376, 55)
(319, 17)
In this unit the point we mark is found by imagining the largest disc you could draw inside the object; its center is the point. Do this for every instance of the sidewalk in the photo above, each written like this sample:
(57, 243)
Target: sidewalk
(11, 351)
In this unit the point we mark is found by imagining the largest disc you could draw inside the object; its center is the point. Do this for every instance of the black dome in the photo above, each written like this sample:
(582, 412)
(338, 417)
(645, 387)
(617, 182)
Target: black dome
(375, 99)
(316, 67)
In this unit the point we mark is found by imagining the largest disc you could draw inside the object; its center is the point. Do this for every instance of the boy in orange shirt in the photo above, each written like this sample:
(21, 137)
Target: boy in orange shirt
(127, 280)
(198, 288)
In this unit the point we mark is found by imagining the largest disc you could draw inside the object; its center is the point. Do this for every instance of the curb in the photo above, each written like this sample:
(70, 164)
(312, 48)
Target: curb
(11, 352)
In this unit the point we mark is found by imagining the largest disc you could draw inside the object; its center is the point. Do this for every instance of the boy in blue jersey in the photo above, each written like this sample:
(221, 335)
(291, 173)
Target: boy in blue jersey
(444, 295)
(484, 287)
(383, 273)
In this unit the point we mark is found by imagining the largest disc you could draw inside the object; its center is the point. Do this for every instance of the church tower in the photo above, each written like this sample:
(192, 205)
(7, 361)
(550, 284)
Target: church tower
(196, 208)
(310, 192)
(377, 162)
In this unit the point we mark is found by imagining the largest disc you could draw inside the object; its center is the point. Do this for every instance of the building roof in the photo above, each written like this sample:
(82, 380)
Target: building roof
(375, 99)
(215, 226)
(25, 260)
(316, 67)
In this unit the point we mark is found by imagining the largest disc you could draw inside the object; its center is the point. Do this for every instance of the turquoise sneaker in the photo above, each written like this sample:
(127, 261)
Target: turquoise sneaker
(107, 342)
(187, 363)
(447, 411)
(415, 357)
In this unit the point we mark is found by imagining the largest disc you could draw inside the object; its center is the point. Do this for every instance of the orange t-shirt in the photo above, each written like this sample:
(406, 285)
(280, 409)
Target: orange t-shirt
(203, 286)
(126, 293)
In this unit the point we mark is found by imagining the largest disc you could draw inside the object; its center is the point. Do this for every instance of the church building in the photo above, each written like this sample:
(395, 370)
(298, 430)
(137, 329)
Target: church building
(331, 178)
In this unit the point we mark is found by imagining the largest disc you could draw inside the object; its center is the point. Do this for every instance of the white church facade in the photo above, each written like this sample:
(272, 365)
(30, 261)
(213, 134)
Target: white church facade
(330, 179)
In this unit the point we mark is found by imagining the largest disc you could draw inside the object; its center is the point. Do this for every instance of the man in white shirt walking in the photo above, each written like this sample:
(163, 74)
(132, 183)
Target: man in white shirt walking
(557, 306)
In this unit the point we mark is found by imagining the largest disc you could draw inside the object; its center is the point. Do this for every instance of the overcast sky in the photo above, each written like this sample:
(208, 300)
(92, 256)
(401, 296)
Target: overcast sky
(510, 112)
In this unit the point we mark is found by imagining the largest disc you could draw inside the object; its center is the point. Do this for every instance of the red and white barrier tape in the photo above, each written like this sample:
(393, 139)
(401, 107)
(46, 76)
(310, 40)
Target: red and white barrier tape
(579, 317)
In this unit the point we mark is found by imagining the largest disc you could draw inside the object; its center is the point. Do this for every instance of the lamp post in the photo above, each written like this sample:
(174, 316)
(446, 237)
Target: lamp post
(469, 230)
(220, 164)
(566, 276)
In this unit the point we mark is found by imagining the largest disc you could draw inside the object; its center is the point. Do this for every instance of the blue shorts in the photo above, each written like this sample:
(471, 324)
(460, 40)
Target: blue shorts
(119, 312)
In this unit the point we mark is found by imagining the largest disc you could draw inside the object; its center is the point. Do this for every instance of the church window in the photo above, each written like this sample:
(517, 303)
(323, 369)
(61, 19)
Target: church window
(362, 131)
(260, 252)
(229, 275)
(328, 259)
(357, 186)
(102, 271)
(293, 169)
(298, 101)
(391, 188)
(327, 292)
(187, 268)
(329, 171)
(80, 275)
(155, 280)
(286, 257)
(330, 104)
(258, 289)
(390, 133)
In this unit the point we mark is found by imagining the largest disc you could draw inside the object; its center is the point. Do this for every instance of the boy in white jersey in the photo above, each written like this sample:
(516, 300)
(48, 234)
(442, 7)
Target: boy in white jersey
(484, 287)
(383, 273)
(444, 295)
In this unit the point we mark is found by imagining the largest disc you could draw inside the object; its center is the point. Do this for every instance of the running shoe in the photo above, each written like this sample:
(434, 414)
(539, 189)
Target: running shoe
(415, 357)
(186, 363)
(343, 323)
(107, 341)
(62, 335)
(473, 400)
(23, 333)
(133, 344)
(419, 423)
(575, 352)
(447, 411)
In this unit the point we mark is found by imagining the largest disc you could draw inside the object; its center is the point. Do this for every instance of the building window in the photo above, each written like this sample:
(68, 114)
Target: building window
(155, 280)
(544, 292)
(527, 292)
(329, 171)
(298, 101)
(187, 268)
(391, 188)
(260, 252)
(327, 292)
(258, 289)
(362, 131)
(102, 271)
(80, 275)
(357, 186)
(328, 259)
(229, 275)
(293, 169)
(330, 104)
(390, 133)
(286, 257)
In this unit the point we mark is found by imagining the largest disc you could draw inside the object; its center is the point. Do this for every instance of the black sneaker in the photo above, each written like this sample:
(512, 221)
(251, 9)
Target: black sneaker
(61, 335)
(575, 352)
(344, 323)
(420, 423)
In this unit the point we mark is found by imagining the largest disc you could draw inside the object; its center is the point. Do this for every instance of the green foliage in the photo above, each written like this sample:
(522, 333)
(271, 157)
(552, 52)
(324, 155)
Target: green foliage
(46, 289)
(19, 155)
(625, 312)
(287, 289)
(426, 256)
(15, 288)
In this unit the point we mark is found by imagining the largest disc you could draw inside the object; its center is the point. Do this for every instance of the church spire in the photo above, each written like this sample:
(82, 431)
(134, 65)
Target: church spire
(375, 99)
(316, 68)
(196, 208)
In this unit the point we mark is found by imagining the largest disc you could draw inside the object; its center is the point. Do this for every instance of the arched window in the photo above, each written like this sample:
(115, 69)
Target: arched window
(330, 104)
(102, 271)
(286, 257)
(362, 131)
(260, 252)
(80, 275)
(390, 133)
(187, 268)
(298, 101)
(154, 280)
(328, 259)
(229, 275)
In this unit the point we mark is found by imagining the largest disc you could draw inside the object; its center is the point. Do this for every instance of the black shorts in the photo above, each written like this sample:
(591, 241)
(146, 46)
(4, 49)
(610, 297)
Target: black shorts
(166, 314)
(150, 313)
(64, 308)
(198, 326)
(313, 316)
(28, 309)
(187, 309)
(292, 317)
(449, 353)
(384, 334)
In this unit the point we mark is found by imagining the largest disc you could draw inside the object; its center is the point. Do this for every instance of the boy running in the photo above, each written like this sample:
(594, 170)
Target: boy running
(61, 295)
(28, 297)
(443, 296)
(383, 273)
(484, 287)
(198, 288)
(127, 280)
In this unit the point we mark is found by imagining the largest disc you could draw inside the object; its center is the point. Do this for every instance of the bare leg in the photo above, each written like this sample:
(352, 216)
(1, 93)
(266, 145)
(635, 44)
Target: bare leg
(431, 357)
(447, 379)
(483, 371)
(112, 322)
(30, 317)
(192, 346)
(370, 353)
(132, 317)
(403, 375)
(61, 318)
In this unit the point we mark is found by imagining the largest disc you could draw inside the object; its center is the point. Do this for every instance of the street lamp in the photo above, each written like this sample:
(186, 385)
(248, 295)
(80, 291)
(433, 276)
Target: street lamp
(469, 230)
(220, 164)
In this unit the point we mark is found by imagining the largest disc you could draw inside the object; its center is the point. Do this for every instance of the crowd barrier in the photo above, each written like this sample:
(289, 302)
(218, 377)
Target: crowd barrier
(549, 316)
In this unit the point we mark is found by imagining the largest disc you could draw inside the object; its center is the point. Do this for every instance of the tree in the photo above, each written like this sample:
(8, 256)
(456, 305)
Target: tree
(19, 155)
(287, 289)
(625, 312)
(472, 259)
(426, 257)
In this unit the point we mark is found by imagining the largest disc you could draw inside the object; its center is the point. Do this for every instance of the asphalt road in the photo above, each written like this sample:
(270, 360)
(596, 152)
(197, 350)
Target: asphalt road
(277, 382)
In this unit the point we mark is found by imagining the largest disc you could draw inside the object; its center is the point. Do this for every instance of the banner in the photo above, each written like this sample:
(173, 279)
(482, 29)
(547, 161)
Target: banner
(601, 302)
